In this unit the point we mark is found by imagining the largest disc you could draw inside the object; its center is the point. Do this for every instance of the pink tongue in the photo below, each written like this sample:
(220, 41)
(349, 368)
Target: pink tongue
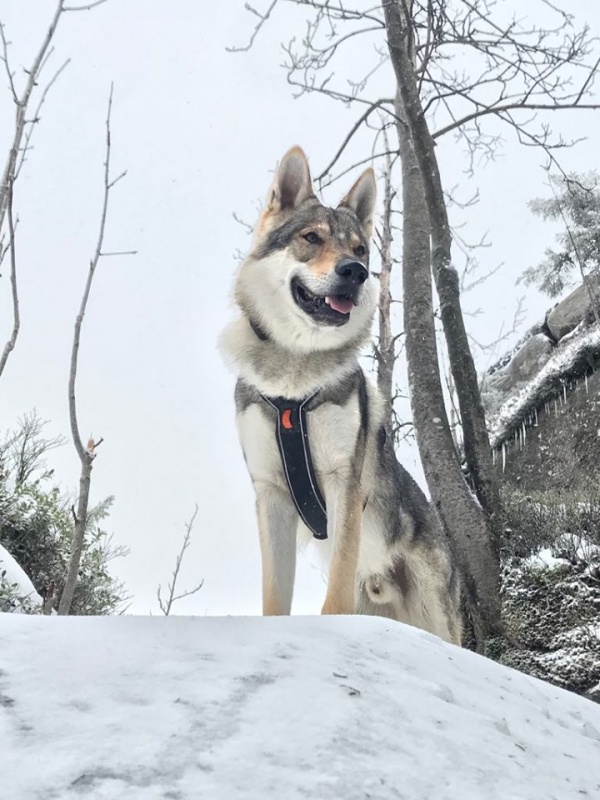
(341, 304)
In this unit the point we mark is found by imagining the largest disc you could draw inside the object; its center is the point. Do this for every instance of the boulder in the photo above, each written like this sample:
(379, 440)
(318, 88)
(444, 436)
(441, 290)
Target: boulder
(576, 306)
(524, 365)
(529, 359)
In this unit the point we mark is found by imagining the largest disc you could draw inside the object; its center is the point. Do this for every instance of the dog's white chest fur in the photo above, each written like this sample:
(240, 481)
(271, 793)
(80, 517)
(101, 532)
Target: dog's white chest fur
(332, 434)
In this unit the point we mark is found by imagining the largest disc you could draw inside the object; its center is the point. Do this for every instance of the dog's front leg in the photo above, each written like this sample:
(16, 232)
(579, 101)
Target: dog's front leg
(277, 524)
(346, 522)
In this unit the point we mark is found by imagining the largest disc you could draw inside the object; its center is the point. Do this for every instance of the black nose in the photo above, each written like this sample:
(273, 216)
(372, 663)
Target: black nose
(352, 271)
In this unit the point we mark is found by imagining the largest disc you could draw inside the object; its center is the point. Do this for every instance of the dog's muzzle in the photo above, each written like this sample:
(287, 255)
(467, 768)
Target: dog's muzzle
(335, 307)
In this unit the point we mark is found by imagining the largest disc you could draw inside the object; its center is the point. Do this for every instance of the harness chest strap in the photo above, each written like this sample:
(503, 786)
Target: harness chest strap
(292, 440)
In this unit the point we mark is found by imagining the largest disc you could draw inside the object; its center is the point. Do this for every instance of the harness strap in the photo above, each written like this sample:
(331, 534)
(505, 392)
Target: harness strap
(292, 440)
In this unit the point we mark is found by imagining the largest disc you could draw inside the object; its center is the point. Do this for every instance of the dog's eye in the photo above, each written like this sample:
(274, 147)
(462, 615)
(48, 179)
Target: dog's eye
(360, 251)
(312, 237)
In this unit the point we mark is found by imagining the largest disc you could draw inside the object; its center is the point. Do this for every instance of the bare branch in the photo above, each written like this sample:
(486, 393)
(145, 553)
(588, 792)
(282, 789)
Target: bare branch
(87, 7)
(86, 454)
(22, 104)
(246, 225)
(10, 344)
(36, 116)
(363, 117)
(9, 73)
(86, 293)
(166, 604)
(262, 18)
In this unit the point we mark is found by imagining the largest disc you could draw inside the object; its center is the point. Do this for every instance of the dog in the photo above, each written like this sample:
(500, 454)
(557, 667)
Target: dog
(306, 301)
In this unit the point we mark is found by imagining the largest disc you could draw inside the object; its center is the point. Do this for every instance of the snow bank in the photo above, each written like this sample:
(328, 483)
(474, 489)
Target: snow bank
(12, 573)
(251, 709)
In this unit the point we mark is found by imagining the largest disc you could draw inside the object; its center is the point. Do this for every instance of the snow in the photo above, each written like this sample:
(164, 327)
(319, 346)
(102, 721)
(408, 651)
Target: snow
(518, 407)
(12, 573)
(544, 558)
(283, 708)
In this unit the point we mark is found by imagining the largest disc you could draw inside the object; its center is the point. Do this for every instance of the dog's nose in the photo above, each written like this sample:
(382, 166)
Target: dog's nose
(352, 271)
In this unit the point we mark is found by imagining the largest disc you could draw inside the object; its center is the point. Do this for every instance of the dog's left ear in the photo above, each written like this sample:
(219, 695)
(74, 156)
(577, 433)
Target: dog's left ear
(292, 184)
(361, 199)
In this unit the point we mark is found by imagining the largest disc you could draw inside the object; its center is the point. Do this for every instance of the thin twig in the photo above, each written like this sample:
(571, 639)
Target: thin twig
(262, 18)
(87, 7)
(166, 605)
(36, 116)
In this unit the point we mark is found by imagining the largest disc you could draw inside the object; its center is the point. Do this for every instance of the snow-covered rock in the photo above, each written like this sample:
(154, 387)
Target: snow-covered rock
(575, 307)
(284, 708)
(567, 360)
(522, 368)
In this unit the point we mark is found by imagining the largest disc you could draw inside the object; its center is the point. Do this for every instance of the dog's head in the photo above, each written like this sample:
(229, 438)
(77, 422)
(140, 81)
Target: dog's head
(306, 281)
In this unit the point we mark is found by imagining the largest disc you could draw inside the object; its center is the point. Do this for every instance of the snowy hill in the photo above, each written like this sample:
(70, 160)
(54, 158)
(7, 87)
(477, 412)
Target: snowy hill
(252, 709)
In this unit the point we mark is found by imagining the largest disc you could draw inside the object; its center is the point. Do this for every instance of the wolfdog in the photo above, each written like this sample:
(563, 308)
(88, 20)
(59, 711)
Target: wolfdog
(313, 428)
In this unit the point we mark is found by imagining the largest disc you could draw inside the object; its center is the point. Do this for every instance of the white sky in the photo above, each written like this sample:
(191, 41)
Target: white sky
(198, 130)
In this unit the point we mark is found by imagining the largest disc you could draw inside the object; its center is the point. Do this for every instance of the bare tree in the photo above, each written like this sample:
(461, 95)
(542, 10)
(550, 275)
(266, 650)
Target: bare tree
(468, 68)
(166, 604)
(25, 122)
(88, 453)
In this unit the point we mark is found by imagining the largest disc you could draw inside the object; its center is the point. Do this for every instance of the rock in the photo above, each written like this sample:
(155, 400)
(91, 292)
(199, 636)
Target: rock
(567, 315)
(523, 366)
(528, 361)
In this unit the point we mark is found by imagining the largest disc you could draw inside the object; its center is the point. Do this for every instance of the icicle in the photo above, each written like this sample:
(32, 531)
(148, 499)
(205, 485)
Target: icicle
(586, 384)
(535, 416)
(564, 393)
(524, 434)
(493, 456)
(503, 457)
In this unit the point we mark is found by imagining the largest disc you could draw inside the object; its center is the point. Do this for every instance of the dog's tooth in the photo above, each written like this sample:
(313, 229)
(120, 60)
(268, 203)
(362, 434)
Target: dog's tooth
(327, 300)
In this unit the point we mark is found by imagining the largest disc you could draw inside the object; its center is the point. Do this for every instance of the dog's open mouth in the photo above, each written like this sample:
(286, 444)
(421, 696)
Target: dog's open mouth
(331, 310)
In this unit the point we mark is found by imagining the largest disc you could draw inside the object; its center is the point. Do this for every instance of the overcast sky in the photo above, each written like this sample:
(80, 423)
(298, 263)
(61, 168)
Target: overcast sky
(199, 131)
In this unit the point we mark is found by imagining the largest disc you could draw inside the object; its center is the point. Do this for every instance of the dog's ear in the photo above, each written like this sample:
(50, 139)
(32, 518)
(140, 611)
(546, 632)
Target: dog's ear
(361, 200)
(292, 184)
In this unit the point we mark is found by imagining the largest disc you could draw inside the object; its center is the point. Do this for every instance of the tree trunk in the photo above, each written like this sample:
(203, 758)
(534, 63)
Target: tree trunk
(460, 516)
(66, 598)
(475, 436)
(386, 349)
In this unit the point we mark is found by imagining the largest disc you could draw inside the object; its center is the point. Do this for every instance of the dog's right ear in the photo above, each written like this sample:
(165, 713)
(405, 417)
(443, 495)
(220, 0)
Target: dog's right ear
(292, 184)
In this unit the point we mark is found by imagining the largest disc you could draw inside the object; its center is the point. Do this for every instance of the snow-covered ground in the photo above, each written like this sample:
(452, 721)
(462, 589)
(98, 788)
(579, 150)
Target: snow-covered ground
(245, 708)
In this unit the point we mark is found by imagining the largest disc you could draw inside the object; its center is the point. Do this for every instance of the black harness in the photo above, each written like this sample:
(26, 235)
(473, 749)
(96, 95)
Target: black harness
(292, 439)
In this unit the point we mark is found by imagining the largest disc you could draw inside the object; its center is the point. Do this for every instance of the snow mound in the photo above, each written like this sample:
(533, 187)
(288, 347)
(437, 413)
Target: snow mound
(12, 574)
(282, 708)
